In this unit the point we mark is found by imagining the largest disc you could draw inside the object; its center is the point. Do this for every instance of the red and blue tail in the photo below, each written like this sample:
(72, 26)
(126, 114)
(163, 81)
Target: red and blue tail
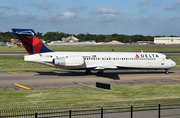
(30, 41)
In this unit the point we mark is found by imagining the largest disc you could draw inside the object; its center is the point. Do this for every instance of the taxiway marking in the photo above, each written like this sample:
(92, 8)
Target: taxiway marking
(175, 79)
(13, 72)
(21, 86)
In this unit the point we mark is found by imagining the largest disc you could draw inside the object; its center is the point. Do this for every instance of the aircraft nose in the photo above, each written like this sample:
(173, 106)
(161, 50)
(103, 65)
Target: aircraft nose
(173, 64)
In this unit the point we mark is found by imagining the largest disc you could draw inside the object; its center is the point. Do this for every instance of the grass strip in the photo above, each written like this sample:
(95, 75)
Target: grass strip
(17, 64)
(121, 96)
(90, 48)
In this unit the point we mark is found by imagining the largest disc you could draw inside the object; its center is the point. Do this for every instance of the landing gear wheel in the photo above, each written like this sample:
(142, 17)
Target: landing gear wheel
(88, 72)
(166, 71)
(99, 73)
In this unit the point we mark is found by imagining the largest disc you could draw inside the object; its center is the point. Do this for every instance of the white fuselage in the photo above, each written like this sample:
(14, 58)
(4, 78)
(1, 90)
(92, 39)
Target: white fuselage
(103, 60)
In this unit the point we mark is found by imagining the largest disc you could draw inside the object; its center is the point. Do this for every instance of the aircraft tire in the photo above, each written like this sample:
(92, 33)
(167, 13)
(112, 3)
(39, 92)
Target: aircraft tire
(99, 73)
(166, 71)
(88, 72)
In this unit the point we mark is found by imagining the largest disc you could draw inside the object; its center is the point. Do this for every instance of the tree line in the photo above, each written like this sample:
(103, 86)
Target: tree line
(54, 36)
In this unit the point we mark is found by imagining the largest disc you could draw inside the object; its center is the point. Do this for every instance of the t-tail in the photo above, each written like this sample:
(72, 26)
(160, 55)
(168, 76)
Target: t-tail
(30, 41)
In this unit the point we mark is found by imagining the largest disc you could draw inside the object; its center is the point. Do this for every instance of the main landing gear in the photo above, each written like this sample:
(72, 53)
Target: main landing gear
(166, 71)
(88, 72)
(99, 72)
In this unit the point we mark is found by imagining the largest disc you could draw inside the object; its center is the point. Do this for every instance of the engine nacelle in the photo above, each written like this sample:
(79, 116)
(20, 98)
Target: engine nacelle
(69, 61)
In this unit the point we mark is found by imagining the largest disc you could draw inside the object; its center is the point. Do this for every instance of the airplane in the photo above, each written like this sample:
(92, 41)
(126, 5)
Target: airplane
(88, 61)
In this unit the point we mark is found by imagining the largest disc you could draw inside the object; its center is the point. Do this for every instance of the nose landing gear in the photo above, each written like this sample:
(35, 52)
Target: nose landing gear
(166, 71)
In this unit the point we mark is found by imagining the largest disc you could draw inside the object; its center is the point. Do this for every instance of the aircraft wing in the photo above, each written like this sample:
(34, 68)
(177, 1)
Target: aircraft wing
(103, 67)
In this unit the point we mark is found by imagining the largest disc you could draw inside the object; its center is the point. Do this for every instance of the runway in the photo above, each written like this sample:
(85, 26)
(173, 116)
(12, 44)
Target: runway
(11, 54)
(62, 79)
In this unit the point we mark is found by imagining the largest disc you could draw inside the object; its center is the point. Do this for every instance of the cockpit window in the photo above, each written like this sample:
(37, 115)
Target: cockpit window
(167, 58)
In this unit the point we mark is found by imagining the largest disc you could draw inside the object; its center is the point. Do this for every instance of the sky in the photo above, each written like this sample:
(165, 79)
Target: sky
(129, 17)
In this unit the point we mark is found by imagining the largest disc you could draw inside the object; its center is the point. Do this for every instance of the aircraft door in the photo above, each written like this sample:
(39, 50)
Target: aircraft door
(162, 61)
(105, 59)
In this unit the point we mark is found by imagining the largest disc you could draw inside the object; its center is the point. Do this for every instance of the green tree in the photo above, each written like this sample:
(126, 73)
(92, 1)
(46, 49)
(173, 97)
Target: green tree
(39, 35)
(50, 36)
(108, 38)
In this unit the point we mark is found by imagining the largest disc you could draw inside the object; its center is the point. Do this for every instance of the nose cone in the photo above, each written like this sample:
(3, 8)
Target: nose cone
(173, 64)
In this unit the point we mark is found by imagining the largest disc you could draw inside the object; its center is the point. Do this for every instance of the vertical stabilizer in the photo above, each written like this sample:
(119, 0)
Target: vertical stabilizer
(30, 41)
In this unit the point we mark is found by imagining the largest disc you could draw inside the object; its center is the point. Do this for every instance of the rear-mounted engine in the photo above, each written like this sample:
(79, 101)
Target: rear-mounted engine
(69, 61)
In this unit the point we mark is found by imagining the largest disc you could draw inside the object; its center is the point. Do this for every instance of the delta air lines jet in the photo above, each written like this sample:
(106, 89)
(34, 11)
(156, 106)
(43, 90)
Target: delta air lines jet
(98, 61)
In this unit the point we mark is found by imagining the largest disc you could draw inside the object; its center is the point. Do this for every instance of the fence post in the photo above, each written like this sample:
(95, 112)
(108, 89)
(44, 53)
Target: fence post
(35, 115)
(159, 111)
(69, 113)
(131, 111)
(101, 112)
